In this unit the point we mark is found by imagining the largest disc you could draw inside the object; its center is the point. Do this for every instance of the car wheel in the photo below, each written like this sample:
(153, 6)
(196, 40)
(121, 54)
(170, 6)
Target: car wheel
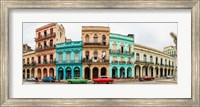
(69, 82)
(95, 83)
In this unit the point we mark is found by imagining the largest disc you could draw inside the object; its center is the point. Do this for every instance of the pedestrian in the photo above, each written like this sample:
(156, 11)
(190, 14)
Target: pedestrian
(36, 79)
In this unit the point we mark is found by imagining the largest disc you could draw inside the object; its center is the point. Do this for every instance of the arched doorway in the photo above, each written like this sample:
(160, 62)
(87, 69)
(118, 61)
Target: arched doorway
(151, 70)
(129, 72)
(39, 74)
(161, 72)
(103, 71)
(137, 71)
(168, 71)
(76, 72)
(32, 73)
(68, 73)
(122, 72)
(114, 72)
(87, 73)
(44, 73)
(95, 72)
(28, 73)
(157, 74)
(60, 73)
(24, 74)
(51, 72)
(145, 71)
(165, 72)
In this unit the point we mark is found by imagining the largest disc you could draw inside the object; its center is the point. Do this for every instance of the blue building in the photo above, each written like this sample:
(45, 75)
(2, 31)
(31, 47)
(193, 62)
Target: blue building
(121, 56)
(69, 60)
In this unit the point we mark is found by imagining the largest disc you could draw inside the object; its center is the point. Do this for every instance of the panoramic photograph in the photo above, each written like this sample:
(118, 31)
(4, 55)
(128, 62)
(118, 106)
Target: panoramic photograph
(99, 53)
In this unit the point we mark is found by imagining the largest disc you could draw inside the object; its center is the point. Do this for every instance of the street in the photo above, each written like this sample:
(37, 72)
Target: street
(120, 81)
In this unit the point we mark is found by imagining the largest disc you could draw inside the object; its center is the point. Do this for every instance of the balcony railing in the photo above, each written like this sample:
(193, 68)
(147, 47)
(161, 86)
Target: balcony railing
(29, 64)
(45, 36)
(120, 52)
(68, 61)
(45, 47)
(46, 62)
(96, 43)
(96, 61)
(144, 62)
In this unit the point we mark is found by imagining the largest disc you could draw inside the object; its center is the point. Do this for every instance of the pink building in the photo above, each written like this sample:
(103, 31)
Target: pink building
(46, 39)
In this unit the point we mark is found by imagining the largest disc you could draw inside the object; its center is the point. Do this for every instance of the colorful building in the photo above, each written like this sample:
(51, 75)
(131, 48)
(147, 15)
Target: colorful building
(95, 51)
(152, 62)
(46, 39)
(29, 64)
(69, 60)
(121, 56)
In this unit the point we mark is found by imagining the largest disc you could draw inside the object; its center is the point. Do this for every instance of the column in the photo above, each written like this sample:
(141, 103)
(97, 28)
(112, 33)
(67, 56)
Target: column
(125, 73)
(158, 72)
(25, 73)
(72, 72)
(154, 72)
(48, 72)
(80, 71)
(118, 72)
(65, 74)
(41, 73)
(91, 73)
(110, 72)
(56, 73)
(35, 72)
(141, 71)
(163, 73)
(149, 71)
(132, 72)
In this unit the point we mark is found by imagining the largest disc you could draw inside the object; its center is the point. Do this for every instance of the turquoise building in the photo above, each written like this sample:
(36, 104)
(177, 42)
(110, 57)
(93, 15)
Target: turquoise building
(121, 55)
(69, 60)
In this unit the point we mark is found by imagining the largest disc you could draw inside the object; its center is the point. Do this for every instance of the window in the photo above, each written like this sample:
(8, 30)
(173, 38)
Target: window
(104, 40)
(51, 58)
(45, 33)
(114, 46)
(51, 31)
(45, 44)
(95, 38)
(87, 53)
(165, 62)
(23, 61)
(95, 55)
(156, 60)
(87, 38)
(76, 57)
(39, 59)
(32, 59)
(145, 58)
(60, 34)
(161, 61)
(114, 58)
(104, 55)
(27, 60)
(39, 35)
(129, 60)
(68, 57)
(51, 43)
(172, 63)
(60, 57)
(151, 59)
(137, 57)
(169, 63)
(122, 60)
(45, 59)
(122, 49)
(129, 49)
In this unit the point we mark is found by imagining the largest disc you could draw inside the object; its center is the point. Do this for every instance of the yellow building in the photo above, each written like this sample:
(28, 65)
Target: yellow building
(95, 51)
(29, 64)
(152, 62)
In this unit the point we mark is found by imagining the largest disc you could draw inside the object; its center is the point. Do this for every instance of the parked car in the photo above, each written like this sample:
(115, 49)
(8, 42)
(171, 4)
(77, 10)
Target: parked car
(77, 80)
(48, 79)
(169, 77)
(146, 78)
(31, 79)
(103, 79)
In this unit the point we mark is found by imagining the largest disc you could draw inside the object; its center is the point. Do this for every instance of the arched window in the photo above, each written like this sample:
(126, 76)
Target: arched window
(95, 38)
(87, 38)
(145, 58)
(87, 55)
(114, 46)
(95, 55)
(137, 57)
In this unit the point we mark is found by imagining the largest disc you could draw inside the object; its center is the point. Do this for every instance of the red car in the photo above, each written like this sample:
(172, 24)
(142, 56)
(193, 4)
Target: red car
(103, 79)
(146, 78)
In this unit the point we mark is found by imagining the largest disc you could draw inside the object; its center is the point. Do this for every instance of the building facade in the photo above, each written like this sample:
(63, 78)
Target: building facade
(152, 62)
(95, 51)
(69, 60)
(46, 39)
(170, 50)
(121, 56)
(29, 65)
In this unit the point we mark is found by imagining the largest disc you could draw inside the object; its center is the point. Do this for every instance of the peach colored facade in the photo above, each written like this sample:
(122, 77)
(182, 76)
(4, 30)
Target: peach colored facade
(46, 39)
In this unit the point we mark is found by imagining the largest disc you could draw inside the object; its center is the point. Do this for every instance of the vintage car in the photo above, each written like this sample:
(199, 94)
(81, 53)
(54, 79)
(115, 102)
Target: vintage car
(31, 79)
(146, 78)
(103, 79)
(48, 79)
(169, 77)
(77, 80)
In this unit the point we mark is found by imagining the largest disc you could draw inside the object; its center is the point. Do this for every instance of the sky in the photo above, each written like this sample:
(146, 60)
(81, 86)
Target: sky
(154, 35)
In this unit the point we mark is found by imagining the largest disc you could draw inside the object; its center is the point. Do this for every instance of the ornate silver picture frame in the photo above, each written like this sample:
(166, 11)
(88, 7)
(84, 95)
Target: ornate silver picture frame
(7, 5)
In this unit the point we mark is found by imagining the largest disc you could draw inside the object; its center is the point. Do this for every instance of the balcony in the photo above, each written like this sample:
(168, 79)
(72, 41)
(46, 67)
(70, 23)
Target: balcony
(29, 64)
(143, 62)
(121, 53)
(96, 61)
(43, 37)
(45, 48)
(95, 44)
(46, 62)
(68, 62)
